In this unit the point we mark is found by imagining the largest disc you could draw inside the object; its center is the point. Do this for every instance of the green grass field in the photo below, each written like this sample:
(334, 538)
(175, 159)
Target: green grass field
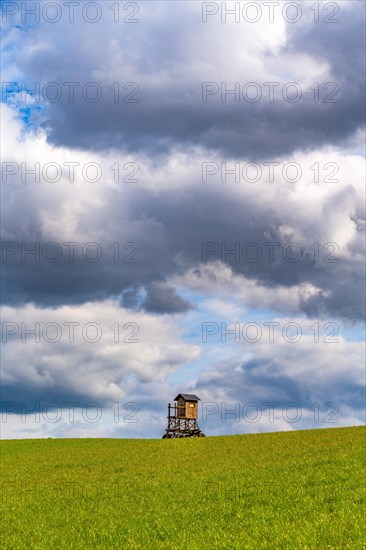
(303, 489)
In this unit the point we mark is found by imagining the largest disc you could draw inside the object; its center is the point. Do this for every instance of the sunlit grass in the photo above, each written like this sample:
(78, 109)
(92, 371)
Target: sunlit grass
(292, 490)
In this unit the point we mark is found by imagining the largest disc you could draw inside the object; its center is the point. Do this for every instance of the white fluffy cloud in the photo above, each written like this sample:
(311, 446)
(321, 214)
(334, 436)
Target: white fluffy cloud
(86, 352)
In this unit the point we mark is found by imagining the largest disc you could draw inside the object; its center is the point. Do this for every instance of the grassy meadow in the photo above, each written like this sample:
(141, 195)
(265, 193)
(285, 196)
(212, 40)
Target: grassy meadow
(289, 490)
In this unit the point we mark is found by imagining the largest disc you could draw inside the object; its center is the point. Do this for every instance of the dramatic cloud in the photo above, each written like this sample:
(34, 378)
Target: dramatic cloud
(177, 198)
(169, 67)
(149, 231)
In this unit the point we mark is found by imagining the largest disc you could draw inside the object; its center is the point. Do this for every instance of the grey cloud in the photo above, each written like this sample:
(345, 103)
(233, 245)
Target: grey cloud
(164, 299)
(156, 297)
(303, 373)
(169, 244)
(170, 224)
(170, 111)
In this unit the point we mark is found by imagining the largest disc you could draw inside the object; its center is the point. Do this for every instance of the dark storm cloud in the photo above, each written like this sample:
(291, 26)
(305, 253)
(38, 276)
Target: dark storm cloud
(174, 243)
(170, 111)
(155, 298)
(260, 132)
(170, 226)
(164, 299)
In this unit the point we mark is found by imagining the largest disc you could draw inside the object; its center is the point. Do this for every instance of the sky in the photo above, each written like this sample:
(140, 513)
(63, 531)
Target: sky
(182, 211)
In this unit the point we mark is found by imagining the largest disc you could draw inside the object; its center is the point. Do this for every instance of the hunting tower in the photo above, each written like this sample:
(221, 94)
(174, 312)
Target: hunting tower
(182, 417)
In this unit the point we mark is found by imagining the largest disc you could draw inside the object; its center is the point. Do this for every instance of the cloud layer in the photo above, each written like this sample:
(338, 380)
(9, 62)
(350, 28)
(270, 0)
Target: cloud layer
(178, 198)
